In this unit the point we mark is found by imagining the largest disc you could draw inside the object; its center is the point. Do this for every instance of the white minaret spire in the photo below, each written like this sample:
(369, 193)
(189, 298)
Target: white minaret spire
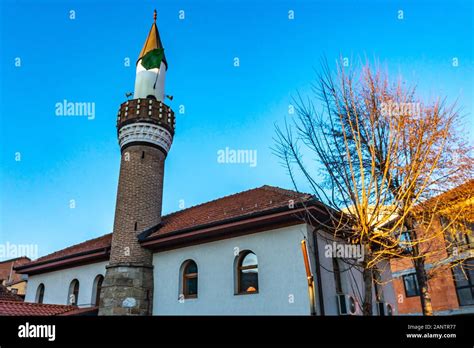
(151, 81)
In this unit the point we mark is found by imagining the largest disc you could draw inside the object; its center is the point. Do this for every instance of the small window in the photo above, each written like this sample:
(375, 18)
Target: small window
(406, 241)
(337, 275)
(411, 285)
(464, 281)
(96, 289)
(190, 279)
(73, 294)
(247, 273)
(459, 236)
(40, 293)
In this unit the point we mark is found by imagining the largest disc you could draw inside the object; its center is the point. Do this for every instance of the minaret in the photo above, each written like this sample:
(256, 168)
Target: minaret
(145, 128)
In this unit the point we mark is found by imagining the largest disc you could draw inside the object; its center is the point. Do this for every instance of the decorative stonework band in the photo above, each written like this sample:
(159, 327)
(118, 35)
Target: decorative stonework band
(145, 132)
(146, 110)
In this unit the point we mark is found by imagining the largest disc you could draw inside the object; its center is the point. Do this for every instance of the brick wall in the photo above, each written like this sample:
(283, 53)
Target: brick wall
(139, 200)
(442, 291)
(441, 283)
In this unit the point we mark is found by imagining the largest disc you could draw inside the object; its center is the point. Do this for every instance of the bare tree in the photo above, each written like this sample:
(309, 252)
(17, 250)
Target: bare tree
(433, 157)
(380, 153)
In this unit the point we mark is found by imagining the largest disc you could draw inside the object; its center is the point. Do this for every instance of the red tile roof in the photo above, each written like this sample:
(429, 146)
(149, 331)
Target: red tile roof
(239, 205)
(7, 266)
(7, 295)
(91, 244)
(84, 247)
(90, 311)
(461, 193)
(14, 308)
(21, 259)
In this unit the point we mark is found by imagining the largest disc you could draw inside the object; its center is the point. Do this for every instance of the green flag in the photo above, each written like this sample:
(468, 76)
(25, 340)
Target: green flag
(153, 59)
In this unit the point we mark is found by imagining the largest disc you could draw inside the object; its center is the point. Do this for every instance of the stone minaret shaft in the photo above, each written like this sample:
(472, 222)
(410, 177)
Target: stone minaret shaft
(145, 128)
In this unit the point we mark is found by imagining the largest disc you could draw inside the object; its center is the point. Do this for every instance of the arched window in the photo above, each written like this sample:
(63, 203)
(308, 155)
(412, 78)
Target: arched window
(96, 288)
(40, 293)
(190, 279)
(73, 294)
(247, 273)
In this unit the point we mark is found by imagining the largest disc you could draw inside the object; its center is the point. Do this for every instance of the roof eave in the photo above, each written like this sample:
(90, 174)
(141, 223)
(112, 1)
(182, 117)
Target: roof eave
(86, 257)
(252, 223)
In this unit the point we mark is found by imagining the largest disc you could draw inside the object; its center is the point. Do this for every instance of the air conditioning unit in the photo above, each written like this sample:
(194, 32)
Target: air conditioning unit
(347, 305)
(384, 309)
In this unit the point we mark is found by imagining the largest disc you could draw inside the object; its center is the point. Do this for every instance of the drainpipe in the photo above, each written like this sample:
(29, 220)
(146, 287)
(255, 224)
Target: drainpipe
(309, 277)
(314, 235)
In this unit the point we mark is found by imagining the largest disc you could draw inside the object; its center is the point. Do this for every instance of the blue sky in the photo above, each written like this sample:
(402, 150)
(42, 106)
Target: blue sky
(82, 60)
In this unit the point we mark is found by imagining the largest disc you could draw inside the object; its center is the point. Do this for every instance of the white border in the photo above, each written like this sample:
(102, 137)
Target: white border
(145, 132)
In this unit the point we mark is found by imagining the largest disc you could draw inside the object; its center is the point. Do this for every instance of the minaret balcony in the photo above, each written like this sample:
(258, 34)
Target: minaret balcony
(146, 110)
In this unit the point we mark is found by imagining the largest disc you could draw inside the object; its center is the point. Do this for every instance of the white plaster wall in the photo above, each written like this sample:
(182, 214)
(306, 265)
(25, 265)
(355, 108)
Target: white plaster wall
(56, 284)
(327, 276)
(145, 79)
(281, 276)
(351, 280)
(388, 290)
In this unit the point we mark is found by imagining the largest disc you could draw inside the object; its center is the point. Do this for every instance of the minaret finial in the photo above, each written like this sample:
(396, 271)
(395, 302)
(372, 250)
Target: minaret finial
(154, 15)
